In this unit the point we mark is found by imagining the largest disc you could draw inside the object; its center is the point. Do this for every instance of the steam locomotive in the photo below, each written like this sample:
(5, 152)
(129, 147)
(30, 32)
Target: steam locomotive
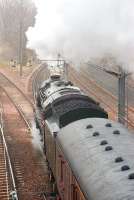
(90, 156)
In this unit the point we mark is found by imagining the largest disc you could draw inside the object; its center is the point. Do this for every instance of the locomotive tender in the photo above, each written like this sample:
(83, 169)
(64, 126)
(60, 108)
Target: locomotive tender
(90, 156)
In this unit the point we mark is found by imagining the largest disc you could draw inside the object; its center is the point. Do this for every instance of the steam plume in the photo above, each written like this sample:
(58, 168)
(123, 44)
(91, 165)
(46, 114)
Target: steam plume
(84, 29)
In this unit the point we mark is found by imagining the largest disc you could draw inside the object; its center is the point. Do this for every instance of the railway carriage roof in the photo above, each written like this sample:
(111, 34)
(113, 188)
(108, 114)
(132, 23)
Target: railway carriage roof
(101, 155)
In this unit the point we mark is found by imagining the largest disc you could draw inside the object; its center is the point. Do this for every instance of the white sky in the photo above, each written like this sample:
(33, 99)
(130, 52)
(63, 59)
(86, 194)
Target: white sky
(84, 29)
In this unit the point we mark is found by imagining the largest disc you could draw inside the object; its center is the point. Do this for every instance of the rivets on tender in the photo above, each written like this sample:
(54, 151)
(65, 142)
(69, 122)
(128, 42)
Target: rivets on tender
(108, 148)
(116, 132)
(119, 159)
(96, 134)
(108, 125)
(103, 142)
(125, 167)
(89, 126)
(131, 176)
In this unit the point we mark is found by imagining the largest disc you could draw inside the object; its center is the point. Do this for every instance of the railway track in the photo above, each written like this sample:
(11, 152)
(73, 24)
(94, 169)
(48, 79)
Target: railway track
(18, 96)
(22, 154)
(31, 171)
(3, 171)
(12, 151)
(7, 179)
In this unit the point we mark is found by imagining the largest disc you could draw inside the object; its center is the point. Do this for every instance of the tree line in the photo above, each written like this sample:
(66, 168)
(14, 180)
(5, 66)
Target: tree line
(16, 16)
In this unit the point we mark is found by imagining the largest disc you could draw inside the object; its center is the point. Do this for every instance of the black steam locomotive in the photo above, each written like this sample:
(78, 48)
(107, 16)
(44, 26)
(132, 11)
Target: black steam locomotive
(90, 156)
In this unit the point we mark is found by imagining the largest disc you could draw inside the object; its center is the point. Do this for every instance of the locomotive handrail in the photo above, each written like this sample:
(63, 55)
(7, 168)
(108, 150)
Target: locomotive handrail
(14, 191)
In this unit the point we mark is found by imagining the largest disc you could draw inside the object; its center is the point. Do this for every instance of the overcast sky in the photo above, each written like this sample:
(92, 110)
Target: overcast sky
(84, 29)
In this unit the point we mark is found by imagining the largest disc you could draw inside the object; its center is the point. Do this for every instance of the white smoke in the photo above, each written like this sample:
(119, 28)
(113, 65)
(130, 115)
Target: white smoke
(36, 138)
(84, 29)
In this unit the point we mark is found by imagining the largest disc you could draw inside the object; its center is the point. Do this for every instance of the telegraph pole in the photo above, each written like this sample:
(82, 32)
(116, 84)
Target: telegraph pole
(58, 60)
(121, 75)
(66, 65)
(121, 96)
(21, 37)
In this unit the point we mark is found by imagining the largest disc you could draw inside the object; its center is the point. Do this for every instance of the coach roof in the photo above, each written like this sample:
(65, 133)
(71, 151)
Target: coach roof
(101, 155)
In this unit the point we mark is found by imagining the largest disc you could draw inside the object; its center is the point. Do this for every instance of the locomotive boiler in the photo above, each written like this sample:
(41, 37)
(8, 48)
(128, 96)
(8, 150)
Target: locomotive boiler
(90, 156)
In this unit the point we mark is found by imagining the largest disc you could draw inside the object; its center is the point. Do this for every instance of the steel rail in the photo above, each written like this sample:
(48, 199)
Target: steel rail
(1, 127)
(23, 116)
(19, 110)
(7, 154)
(17, 89)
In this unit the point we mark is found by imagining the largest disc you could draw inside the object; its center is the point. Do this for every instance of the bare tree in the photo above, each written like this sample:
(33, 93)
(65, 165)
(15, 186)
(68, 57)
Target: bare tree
(13, 14)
